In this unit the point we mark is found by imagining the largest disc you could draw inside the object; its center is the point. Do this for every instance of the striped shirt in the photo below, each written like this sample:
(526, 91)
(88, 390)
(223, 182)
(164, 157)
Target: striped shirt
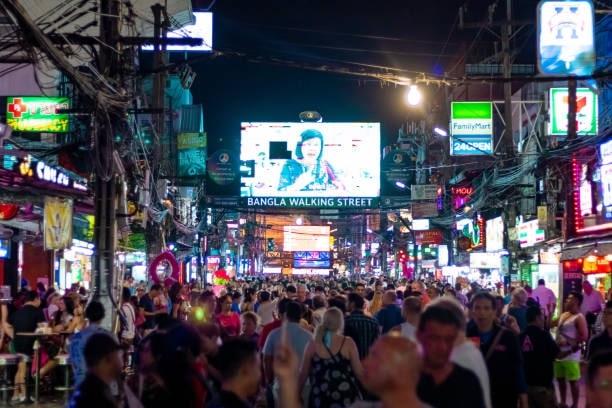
(362, 329)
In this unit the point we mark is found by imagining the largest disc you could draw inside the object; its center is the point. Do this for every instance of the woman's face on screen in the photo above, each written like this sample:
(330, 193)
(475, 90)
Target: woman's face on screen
(311, 149)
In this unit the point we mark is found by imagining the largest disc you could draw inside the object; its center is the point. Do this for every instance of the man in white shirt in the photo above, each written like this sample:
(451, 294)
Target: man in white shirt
(546, 299)
(591, 303)
(266, 308)
(411, 312)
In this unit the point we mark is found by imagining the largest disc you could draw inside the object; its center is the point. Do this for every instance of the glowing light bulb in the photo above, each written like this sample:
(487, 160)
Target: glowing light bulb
(413, 96)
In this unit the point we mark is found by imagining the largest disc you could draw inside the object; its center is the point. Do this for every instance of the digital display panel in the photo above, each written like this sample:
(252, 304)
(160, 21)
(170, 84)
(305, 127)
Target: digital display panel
(311, 259)
(310, 164)
(305, 238)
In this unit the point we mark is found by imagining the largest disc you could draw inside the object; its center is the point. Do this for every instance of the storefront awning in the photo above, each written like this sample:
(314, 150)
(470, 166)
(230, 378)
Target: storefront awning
(584, 250)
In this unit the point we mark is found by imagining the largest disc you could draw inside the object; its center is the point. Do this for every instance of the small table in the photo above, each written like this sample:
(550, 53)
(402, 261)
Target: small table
(36, 348)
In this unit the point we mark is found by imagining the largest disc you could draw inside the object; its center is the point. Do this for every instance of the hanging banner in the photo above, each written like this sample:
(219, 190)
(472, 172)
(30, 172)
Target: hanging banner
(58, 223)
(191, 154)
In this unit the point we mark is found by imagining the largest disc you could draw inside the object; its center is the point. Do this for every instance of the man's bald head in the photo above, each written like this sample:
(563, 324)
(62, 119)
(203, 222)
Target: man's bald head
(389, 298)
(393, 362)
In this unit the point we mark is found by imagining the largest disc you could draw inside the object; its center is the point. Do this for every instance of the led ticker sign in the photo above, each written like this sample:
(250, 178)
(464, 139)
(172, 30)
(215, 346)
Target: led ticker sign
(37, 114)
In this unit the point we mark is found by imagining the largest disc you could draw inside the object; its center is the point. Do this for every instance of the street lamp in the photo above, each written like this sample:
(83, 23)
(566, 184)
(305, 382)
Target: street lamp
(440, 132)
(413, 95)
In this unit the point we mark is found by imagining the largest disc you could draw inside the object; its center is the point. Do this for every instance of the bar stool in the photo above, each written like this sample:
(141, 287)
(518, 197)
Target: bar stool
(7, 361)
(63, 361)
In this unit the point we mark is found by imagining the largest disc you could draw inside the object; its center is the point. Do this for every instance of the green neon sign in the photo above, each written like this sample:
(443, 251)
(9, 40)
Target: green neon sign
(37, 114)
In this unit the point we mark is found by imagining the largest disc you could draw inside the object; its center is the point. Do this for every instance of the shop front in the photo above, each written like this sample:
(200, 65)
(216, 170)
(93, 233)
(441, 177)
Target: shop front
(588, 251)
(74, 266)
(40, 206)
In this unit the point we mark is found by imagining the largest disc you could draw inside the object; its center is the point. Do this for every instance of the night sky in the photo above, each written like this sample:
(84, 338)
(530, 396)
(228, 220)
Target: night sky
(416, 36)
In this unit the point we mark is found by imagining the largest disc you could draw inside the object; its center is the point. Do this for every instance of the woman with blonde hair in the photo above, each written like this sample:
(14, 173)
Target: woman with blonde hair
(376, 303)
(331, 363)
(518, 307)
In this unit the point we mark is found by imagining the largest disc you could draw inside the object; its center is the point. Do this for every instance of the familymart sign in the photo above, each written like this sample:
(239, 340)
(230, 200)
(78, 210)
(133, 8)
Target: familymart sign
(471, 128)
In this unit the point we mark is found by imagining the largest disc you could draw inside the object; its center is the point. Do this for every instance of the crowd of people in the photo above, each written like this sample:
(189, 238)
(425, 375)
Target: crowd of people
(322, 343)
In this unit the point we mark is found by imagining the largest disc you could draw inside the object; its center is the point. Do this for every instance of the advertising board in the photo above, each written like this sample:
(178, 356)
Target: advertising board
(471, 128)
(37, 114)
(201, 28)
(305, 238)
(311, 259)
(318, 165)
(586, 112)
(494, 234)
(530, 233)
(566, 44)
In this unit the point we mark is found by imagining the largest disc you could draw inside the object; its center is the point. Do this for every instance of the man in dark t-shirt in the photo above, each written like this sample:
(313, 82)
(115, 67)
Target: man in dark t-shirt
(539, 353)
(147, 307)
(25, 320)
(444, 384)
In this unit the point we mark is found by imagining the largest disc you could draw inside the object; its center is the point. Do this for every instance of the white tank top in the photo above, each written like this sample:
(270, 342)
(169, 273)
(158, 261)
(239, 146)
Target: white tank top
(568, 331)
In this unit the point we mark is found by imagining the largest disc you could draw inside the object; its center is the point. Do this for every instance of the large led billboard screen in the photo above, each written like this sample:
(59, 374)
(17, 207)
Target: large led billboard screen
(305, 238)
(311, 259)
(310, 164)
(202, 27)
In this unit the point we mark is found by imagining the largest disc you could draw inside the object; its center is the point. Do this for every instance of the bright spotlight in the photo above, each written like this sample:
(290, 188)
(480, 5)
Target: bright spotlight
(440, 132)
(413, 95)
(399, 184)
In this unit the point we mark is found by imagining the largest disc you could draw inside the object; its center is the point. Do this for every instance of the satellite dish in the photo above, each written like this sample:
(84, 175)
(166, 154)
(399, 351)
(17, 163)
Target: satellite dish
(311, 116)
(6, 233)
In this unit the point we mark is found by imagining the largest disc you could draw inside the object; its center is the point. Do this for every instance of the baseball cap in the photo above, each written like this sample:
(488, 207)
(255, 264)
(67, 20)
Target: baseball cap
(97, 347)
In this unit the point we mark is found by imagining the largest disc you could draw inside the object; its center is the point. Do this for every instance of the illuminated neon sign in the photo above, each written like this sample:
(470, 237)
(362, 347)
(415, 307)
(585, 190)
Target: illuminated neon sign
(37, 114)
(29, 167)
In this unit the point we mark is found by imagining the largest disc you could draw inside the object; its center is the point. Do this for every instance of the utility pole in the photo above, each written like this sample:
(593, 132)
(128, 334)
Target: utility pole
(505, 36)
(572, 132)
(506, 32)
(154, 230)
(104, 276)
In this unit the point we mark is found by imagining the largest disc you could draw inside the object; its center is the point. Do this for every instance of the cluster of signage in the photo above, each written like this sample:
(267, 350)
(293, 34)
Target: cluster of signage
(592, 188)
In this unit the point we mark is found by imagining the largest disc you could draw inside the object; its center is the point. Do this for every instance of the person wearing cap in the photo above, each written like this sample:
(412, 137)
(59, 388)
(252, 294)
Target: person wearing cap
(104, 359)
